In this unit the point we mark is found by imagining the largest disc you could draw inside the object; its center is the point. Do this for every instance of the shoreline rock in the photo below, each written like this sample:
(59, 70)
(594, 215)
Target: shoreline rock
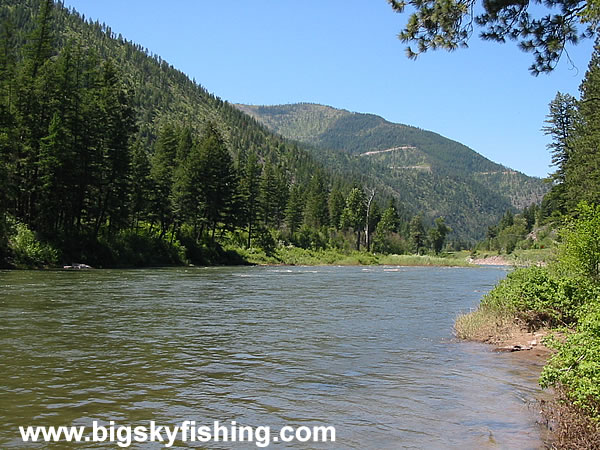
(77, 266)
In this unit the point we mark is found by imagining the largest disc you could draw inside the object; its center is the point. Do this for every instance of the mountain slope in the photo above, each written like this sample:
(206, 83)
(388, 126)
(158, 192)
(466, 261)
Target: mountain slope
(422, 168)
(161, 93)
(423, 171)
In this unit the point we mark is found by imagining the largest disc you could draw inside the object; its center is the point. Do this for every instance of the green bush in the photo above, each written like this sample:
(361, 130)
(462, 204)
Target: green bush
(143, 247)
(538, 297)
(576, 365)
(28, 251)
(265, 240)
(579, 251)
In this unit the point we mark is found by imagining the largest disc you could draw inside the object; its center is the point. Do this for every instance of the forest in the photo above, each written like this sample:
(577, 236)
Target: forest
(425, 171)
(105, 160)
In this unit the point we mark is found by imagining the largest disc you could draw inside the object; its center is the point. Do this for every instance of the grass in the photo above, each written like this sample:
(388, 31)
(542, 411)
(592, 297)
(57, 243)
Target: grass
(298, 256)
(423, 260)
(484, 325)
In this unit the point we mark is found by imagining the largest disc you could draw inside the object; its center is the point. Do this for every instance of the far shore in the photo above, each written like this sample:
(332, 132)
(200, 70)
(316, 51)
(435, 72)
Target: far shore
(497, 260)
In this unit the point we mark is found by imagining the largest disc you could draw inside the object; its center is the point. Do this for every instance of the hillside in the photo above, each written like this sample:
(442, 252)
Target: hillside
(161, 93)
(107, 150)
(422, 168)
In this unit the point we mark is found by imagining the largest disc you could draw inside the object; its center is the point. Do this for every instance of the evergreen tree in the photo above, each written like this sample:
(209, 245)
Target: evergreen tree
(267, 191)
(437, 234)
(561, 124)
(54, 177)
(219, 184)
(417, 233)
(389, 220)
(316, 213)
(141, 183)
(507, 220)
(161, 172)
(582, 174)
(293, 212)
(184, 145)
(355, 212)
(336, 203)
(249, 187)
(40, 43)
(118, 126)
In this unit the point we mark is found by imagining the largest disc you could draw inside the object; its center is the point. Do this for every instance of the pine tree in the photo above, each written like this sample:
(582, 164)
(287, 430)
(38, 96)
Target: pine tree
(53, 163)
(582, 174)
(267, 196)
(141, 183)
(293, 212)
(220, 183)
(355, 213)
(437, 234)
(336, 203)
(417, 233)
(118, 125)
(316, 213)
(249, 187)
(33, 112)
(561, 127)
(161, 172)
(389, 220)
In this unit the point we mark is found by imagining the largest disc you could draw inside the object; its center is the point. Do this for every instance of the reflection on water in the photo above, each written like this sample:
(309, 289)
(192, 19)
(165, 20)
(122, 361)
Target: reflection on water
(369, 350)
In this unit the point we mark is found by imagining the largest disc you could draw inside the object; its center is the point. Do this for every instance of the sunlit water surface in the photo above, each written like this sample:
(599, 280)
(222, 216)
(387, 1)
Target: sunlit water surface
(368, 350)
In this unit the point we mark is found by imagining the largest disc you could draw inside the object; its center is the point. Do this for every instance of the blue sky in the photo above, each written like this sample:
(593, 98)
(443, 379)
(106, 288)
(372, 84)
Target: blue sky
(345, 54)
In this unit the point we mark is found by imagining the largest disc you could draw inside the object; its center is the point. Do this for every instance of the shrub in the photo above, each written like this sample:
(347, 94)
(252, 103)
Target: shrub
(265, 240)
(143, 247)
(28, 250)
(576, 365)
(538, 297)
(579, 251)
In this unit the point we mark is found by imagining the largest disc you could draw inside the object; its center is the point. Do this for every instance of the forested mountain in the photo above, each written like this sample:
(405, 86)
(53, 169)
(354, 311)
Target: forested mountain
(107, 150)
(99, 137)
(440, 176)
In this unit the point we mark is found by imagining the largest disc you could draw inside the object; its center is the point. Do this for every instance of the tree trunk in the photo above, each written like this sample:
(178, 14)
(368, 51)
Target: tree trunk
(249, 234)
(367, 227)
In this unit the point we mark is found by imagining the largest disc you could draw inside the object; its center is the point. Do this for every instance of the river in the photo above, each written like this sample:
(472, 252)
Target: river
(368, 350)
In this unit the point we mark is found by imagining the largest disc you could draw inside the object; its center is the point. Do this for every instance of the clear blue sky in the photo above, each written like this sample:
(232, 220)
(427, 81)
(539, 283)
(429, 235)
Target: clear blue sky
(346, 54)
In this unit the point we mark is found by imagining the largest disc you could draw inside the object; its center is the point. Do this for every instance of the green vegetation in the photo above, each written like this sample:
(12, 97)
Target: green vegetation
(111, 157)
(28, 250)
(527, 230)
(425, 172)
(306, 257)
(564, 296)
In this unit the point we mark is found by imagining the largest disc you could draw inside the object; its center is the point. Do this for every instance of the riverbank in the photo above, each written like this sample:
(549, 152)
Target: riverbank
(518, 258)
(570, 426)
(504, 333)
(295, 256)
(143, 251)
(553, 316)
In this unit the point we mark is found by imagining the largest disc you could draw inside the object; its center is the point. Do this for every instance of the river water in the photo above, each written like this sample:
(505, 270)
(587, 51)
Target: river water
(368, 350)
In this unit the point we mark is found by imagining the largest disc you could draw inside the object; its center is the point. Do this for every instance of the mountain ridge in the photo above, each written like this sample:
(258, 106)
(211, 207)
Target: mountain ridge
(420, 166)
(287, 120)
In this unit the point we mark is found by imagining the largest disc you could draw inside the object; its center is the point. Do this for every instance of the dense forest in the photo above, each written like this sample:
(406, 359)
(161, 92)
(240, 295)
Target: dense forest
(433, 174)
(110, 156)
